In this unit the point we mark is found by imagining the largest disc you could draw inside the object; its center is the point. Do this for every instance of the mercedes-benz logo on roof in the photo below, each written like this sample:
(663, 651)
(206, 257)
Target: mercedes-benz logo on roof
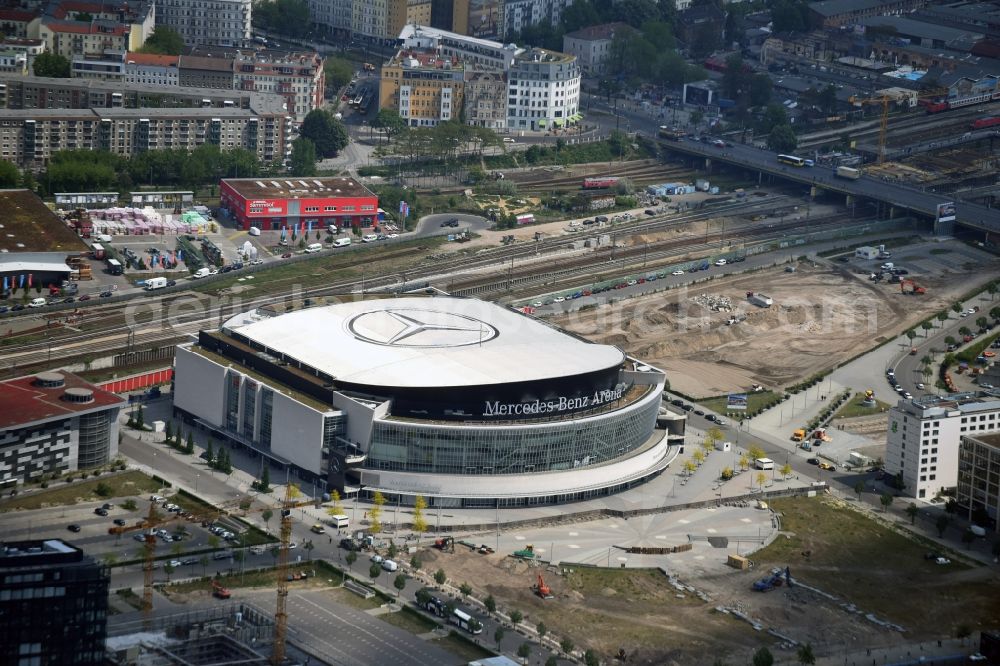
(401, 327)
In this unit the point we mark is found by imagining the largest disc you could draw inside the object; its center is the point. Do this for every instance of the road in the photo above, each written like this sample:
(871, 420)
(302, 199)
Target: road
(900, 196)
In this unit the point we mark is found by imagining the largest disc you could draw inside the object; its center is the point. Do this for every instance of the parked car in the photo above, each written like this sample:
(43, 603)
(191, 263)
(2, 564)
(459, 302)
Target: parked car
(73, 527)
(101, 512)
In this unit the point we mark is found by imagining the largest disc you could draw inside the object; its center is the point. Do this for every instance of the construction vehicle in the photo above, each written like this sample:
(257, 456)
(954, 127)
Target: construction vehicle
(485, 550)
(820, 434)
(542, 590)
(445, 544)
(526, 553)
(869, 394)
(908, 286)
(883, 101)
(798, 435)
(220, 592)
(777, 578)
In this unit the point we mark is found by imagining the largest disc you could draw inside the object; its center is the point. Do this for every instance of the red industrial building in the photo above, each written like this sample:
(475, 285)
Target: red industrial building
(268, 203)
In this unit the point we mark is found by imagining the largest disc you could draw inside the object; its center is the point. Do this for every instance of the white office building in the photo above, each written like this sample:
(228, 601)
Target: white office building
(483, 54)
(925, 433)
(543, 90)
(218, 22)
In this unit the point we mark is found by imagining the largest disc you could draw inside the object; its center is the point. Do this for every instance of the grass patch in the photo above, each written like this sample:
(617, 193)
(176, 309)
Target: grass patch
(462, 647)
(348, 598)
(124, 484)
(637, 585)
(755, 402)
(255, 578)
(866, 562)
(409, 620)
(855, 408)
(972, 352)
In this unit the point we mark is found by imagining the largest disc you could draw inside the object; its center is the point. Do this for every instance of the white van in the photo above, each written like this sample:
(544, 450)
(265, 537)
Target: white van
(38, 303)
(254, 231)
(201, 272)
(156, 283)
(390, 566)
(763, 463)
(369, 238)
(313, 247)
(332, 228)
(104, 238)
(342, 242)
(340, 521)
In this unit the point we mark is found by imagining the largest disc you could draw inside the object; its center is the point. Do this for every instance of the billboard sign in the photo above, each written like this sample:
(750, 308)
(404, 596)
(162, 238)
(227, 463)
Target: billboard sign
(736, 402)
(946, 212)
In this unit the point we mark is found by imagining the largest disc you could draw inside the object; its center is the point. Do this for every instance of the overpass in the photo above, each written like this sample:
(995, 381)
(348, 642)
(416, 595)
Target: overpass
(897, 196)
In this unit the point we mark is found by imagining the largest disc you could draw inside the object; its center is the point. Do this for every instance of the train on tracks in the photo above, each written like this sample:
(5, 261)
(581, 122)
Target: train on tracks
(601, 183)
(983, 123)
(939, 105)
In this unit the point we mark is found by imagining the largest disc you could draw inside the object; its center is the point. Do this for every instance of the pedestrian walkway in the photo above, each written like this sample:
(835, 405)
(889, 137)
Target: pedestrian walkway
(925, 653)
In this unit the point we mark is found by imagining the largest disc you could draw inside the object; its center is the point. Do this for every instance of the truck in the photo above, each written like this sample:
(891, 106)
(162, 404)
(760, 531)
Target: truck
(759, 299)
(702, 185)
(850, 173)
(97, 250)
(155, 283)
(798, 435)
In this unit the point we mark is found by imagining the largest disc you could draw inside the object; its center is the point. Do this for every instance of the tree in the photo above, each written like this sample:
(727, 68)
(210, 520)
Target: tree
(542, 629)
(288, 17)
(516, 616)
(308, 547)
(991, 289)
(912, 512)
(761, 480)
(375, 513)
(465, 589)
(374, 571)
(440, 576)
(590, 658)
(326, 132)
(51, 65)
(399, 583)
(390, 122)
(491, 604)
(266, 514)
(859, 488)
(167, 569)
(189, 447)
(763, 657)
(524, 651)
(713, 435)
(744, 462)
(967, 538)
(886, 500)
(755, 452)
(760, 90)
(339, 73)
(351, 558)
(786, 470)
(698, 457)
(104, 490)
(303, 159)
(566, 645)
(210, 454)
(927, 326)
(782, 139)
(962, 632)
(995, 313)
(140, 419)
(689, 467)
(965, 330)
(552, 660)
(415, 563)
(910, 334)
(203, 561)
(955, 307)
(164, 41)
(498, 636)
(806, 655)
(942, 317)
(419, 521)
(949, 340)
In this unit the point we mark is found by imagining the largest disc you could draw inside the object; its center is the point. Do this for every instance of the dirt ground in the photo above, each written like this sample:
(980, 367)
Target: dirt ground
(823, 314)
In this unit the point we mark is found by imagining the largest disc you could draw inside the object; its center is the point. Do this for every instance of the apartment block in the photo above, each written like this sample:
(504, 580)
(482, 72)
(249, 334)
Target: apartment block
(424, 87)
(28, 138)
(592, 45)
(925, 434)
(543, 90)
(486, 100)
(216, 22)
(116, 25)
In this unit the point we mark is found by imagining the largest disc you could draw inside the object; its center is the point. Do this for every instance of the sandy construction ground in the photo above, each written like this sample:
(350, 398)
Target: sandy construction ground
(822, 314)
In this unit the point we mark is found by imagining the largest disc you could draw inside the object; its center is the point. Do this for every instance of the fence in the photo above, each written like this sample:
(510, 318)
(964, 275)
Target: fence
(140, 381)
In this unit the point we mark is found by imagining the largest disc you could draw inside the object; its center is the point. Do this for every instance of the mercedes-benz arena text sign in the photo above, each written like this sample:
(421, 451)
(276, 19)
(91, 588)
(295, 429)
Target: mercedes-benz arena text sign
(419, 328)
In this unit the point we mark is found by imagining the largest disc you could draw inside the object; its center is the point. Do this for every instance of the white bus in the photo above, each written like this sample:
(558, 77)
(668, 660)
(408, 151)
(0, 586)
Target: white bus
(466, 621)
(340, 521)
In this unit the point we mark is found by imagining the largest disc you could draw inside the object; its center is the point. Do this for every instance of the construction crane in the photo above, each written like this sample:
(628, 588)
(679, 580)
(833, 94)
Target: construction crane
(884, 122)
(883, 101)
(155, 519)
(543, 590)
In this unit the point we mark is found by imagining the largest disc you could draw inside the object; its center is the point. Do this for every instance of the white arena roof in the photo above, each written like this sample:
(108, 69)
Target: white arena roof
(426, 342)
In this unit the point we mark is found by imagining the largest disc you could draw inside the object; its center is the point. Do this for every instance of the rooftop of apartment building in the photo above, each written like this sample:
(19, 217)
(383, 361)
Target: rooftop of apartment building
(261, 54)
(410, 31)
(88, 28)
(424, 59)
(596, 33)
(838, 7)
(207, 63)
(151, 59)
(536, 54)
(954, 404)
(118, 113)
(17, 15)
(259, 101)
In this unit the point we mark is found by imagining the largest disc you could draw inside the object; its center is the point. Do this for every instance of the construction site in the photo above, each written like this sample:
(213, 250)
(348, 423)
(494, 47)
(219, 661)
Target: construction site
(716, 338)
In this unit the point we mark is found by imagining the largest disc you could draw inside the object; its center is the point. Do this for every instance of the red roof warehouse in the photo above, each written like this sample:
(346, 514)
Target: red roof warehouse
(272, 203)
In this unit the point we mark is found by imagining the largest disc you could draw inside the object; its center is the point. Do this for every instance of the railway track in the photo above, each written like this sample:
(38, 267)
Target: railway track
(642, 175)
(161, 320)
(899, 127)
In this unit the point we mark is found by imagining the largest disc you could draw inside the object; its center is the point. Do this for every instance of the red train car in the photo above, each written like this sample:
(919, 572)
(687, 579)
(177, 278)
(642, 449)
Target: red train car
(599, 183)
(983, 123)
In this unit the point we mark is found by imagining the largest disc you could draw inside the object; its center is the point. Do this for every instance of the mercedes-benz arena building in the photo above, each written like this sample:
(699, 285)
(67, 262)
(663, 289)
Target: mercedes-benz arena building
(462, 401)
